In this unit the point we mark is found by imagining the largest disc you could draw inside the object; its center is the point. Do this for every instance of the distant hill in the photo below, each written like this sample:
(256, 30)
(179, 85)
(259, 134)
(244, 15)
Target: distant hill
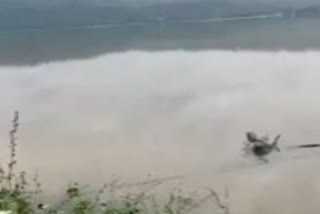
(15, 15)
(18, 15)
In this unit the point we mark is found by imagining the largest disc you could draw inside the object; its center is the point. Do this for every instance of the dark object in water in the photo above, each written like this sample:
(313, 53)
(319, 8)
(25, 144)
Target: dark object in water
(308, 146)
(252, 137)
(260, 147)
(260, 150)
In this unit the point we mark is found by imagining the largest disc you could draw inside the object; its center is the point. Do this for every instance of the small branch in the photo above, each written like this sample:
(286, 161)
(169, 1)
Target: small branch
(216, 198)
(144, 183)
(221, 205)
(13, 144)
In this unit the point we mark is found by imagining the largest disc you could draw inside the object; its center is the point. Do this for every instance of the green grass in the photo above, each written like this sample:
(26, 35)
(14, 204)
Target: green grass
(18, 195)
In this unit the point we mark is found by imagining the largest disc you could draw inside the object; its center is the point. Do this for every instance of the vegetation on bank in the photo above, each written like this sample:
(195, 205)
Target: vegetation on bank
(18, 195)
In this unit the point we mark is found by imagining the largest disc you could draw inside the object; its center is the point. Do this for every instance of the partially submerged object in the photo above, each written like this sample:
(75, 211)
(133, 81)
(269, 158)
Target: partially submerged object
(260, 147)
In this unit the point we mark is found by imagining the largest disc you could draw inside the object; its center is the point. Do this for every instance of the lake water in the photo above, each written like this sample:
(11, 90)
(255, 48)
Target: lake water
(168, 100)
